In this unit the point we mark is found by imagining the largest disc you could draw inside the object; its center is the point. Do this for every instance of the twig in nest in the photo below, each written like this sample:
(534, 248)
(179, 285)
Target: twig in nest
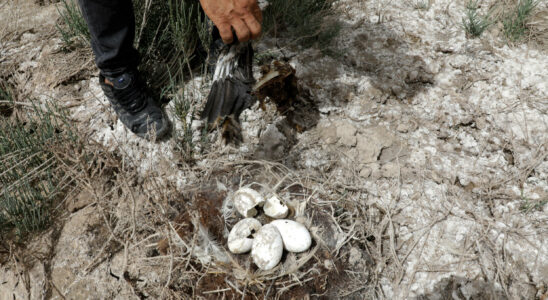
(217, 291)
(17, 103)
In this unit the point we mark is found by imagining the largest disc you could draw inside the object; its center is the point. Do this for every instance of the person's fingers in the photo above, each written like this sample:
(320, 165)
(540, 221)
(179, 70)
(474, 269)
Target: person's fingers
(256, 11)
(225, 32)
(253, 25)
(241, 30)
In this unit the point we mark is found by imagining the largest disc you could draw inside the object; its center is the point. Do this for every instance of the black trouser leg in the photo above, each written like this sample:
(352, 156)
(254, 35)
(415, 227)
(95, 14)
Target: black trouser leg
(112, 27)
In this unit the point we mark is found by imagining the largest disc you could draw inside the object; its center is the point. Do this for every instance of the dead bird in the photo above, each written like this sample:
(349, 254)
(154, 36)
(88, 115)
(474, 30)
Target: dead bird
(231, 92)
(232, 89)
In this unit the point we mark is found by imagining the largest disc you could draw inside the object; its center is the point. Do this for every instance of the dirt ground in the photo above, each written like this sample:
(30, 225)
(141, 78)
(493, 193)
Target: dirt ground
(424, 174)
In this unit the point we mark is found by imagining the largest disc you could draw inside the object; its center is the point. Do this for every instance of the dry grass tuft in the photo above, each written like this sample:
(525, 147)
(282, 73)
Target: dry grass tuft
(191, 259)
(538, 26)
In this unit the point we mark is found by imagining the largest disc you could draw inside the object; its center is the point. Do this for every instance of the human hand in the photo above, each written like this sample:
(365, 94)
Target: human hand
(243, 15)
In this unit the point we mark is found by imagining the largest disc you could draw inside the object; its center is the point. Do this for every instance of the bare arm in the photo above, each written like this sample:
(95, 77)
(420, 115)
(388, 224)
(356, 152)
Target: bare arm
(242, 15)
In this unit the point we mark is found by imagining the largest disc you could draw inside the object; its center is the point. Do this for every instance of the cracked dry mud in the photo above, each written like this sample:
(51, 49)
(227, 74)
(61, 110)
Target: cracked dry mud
(425, 177)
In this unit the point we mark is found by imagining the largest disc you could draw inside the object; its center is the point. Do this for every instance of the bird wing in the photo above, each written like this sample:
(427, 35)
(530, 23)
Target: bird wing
(231, 92)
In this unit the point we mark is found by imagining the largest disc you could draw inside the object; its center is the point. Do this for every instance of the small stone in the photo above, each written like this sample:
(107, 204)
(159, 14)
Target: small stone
(390, 170)
(393, 152)
(352, 153)
(272, 144)
(375, 171)
(346, 133)
(403, 127)
(396, 89)
(196, 125)
(436, 177)
(412, 76)
(481, 123)
(355, 256)
(369, 152)
(329, 134)
(83, 199)
(328, 264)
(365, 172)
(349, 141)
(372, 141)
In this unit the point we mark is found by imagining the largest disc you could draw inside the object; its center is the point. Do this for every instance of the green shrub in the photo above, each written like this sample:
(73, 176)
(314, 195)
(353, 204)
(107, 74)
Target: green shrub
(183, 111)
(306, 22)
(170, 36)
(30, 175)
(6, 100)
(474, 23)
(173, 35)
(167, 32)
(74, 27)
(422, 4)
(515, 23)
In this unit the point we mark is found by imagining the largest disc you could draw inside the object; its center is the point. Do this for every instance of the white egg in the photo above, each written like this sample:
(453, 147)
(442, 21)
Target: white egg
(295, 236)
(267, 247)
(240, 238)
(246, 200)
(275, 208)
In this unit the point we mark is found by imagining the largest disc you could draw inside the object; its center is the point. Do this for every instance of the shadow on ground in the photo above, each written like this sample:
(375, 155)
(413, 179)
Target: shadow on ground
(387, 58)
(383, 57)
(456, 287)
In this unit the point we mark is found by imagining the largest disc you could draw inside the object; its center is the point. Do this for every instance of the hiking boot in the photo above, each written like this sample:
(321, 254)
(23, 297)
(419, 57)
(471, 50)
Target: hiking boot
(135, 108)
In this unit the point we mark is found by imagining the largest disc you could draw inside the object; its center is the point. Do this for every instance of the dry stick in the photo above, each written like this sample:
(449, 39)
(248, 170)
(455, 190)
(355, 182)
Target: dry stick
(192, 243)
(24, 104)
(217, 291)
(170, 271)
(124, 266)
(202, 275)
(154, 235)
(88, 268)
(171, 253)
(20, 162)
(245, 288)
(56, 289)
(429, 227)
(268, 290)
(412, 277)
(16, 103)
(112, 236)
(133, 217)
(297, 266)
(234, 287)
(32, 174)
(148, 3)
(15, 154)
(354, 291)
(288, 287)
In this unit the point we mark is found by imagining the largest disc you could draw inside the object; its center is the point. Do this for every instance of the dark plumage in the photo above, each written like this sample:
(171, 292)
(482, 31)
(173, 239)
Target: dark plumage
(231, 91)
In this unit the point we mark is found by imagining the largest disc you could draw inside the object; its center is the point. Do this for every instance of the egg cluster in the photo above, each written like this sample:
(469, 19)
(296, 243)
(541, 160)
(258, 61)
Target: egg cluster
(267, 242)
